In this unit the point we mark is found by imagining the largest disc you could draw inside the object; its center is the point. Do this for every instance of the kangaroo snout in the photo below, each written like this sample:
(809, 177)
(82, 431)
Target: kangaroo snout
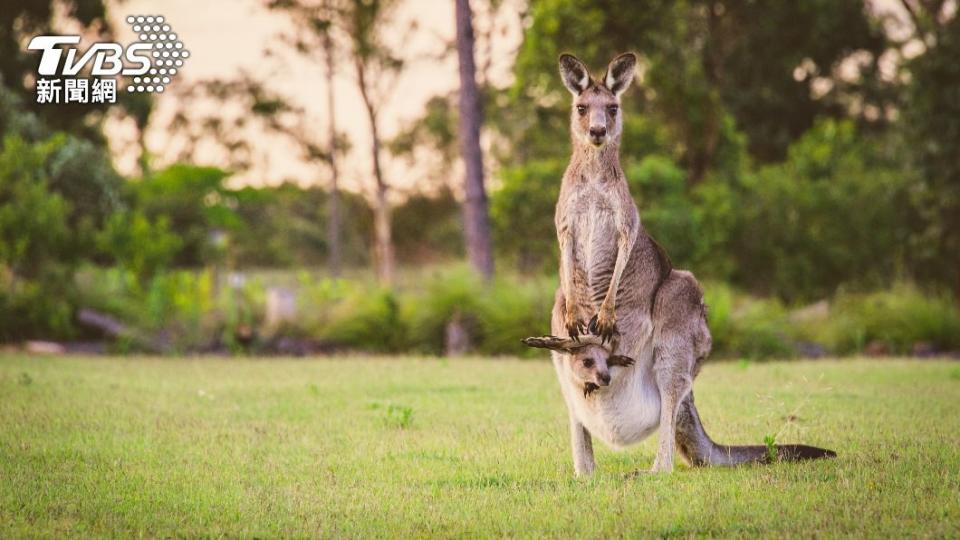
(597, 134)
(603, 378)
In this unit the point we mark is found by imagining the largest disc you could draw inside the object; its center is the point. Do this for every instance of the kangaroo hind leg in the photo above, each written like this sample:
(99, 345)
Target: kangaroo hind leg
(674, 375)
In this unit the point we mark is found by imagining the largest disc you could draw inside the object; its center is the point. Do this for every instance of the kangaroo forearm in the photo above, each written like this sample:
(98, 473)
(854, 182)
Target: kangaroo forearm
(623, 254)
(566, 271)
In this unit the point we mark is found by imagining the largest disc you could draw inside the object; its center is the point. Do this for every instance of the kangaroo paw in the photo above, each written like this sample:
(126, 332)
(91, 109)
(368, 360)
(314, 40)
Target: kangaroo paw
(604, 324)
(575, 327)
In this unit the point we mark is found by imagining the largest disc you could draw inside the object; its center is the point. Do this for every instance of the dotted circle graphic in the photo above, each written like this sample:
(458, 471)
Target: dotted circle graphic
(167, 52)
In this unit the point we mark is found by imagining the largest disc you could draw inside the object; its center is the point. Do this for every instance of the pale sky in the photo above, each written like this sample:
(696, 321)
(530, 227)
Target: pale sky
(225, 36)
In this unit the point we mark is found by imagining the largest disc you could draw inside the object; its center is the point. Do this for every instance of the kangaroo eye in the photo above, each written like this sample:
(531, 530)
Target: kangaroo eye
(588, 362)
(582, 109)
(612, 109)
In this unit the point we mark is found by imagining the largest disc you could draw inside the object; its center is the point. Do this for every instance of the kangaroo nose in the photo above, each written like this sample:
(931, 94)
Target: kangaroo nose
(598, 132)
(604, 378)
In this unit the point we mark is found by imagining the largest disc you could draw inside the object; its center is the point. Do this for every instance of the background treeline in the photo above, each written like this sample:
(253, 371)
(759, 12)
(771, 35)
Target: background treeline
(795, 155)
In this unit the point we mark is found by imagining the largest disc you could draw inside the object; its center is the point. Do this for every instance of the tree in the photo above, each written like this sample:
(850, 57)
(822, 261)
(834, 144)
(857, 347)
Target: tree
(931, 122)
(22, 19)
(315, 26)
(476, 220)
(376, 69)
(194, 203)
(333, 204)
(704, 60)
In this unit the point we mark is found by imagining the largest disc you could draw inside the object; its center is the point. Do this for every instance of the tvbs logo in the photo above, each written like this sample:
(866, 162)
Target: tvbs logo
(149, 64)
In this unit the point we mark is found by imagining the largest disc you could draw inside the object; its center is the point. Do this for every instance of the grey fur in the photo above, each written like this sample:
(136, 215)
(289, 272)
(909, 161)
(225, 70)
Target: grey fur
(633, 373)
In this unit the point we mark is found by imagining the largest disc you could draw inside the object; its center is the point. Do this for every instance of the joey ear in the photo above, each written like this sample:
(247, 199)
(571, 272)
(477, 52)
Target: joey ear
(620, 73)
(553, 343)
(574, 74)
(619, 360)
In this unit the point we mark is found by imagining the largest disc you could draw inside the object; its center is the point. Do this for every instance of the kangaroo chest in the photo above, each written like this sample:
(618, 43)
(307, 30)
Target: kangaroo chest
(593, 219)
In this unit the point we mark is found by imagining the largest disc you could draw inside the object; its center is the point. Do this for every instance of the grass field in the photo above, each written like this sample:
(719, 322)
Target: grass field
(425, 447)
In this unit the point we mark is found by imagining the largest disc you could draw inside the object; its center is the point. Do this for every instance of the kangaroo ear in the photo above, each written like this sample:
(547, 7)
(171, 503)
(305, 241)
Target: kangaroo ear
(574, 74)
(619, 360)
(553, 343)
(567, 344)
(620, 73)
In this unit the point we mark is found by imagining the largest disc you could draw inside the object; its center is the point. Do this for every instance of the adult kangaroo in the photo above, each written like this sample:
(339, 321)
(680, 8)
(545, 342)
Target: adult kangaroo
(628, 371)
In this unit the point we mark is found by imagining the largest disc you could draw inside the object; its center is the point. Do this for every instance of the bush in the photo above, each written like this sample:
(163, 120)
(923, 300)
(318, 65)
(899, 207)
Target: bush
(357, 315)
(899, 318)
(831, 215)
(449, 293)
(194, 201)
(743, 326)
(513, 309)
(367, 320)
(183, 309)
(668, 213)
(38, 244)
(525, 203)
(138, 244)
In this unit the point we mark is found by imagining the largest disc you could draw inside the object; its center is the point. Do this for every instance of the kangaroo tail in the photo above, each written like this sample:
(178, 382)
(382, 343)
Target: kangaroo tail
(697, 447)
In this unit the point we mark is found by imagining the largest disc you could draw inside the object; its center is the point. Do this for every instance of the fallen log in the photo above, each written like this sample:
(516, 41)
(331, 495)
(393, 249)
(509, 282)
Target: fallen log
(117, 329)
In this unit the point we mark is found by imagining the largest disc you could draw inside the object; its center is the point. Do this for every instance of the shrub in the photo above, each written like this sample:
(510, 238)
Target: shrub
(367, 320)
(744, 326)
(447, 294)
(899, 318)
(354, 314)
(525, 202)
(138, 244)
(496, 315)
(512, 309)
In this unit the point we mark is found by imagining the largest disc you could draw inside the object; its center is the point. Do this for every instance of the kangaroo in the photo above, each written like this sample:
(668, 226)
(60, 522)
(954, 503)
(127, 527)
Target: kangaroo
(629, 371)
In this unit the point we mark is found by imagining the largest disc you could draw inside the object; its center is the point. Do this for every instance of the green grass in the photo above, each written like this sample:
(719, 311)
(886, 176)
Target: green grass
(422, 447)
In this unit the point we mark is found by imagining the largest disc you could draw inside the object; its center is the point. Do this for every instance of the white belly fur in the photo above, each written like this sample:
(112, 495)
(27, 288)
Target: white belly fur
(624, 413)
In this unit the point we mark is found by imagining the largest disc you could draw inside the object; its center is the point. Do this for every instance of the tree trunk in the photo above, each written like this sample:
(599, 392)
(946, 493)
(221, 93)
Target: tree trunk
(142, 159)
(476, 220)
(333, 203)
(383, 241)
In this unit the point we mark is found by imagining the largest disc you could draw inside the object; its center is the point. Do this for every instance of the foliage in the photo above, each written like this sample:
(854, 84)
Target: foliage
(522, 214)
(199, 311)
(899, 319)
(667, 213)
(367, 320)
(747, 327)
(45, 231)
(495, 315)
(34, 229)
(195, 203)
(931, 123)
(829, 215)
(703, 60)
(138, 244)
(428, 228)
(285, 226)
(21, 19)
